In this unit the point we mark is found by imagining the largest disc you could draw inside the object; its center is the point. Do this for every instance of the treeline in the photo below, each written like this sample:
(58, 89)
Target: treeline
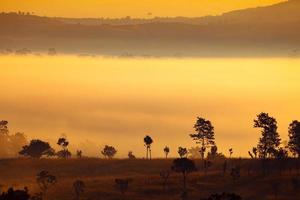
(269, 144)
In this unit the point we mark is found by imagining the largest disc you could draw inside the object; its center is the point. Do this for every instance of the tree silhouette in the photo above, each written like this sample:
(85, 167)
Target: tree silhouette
(204, 134)
(213, 154)
(254, 151)
(167, 151)
(10, 143)
(64, 154)
(182, 152)
(250, 154)
(36, 149)
(130, 155)
(12, 194)
(109, 151)
(45, 180)
(269, 141)
(3, 127)
(63, 143)
(79, 154)
(148, 141)
(183, 166)
(78, 187)
(294, 138)
(230, 152)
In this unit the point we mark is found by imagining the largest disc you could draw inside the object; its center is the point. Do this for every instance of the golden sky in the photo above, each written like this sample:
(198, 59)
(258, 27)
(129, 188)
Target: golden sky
(134, 8)
(99, 101)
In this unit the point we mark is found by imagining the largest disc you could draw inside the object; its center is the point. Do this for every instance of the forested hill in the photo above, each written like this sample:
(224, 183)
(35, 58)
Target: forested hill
(264, 31)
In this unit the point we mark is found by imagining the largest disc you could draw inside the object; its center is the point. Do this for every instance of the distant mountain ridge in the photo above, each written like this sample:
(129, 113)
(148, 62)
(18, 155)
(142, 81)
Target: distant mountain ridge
(264, 31)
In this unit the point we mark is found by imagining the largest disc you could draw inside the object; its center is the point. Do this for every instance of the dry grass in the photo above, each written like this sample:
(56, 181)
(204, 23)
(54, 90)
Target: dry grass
(99, 175)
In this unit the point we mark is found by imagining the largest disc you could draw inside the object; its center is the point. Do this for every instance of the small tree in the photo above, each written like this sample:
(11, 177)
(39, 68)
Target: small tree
(269, 141)
(3, 127)
(204, 134)
(109, 151)
(63, 143)
(130, 155)
(182, 152)
(148, 141)
(45, 180)
(167, 151)
(36, 149)
(294, 138)
(230, 152)
(64, 154)
(183, 166)
(79, 154)
(213, 154)
(78, 187)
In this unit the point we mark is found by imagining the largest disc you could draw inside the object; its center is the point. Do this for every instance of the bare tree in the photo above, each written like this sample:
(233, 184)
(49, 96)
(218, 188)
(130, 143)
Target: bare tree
(45, 180)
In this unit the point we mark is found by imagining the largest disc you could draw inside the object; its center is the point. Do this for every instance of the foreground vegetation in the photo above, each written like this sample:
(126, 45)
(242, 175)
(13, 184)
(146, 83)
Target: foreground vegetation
(282, 180)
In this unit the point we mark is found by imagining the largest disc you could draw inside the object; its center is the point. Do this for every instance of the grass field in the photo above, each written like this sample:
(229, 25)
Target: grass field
(99, 177)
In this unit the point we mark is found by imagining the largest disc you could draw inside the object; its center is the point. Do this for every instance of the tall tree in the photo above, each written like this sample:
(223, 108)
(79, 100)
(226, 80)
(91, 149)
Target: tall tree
(148, 141)
(294, 138)
(270, 140)
(204, 134)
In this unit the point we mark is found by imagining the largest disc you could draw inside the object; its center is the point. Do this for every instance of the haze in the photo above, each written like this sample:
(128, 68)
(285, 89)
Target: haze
(134, 8)
(98, 101)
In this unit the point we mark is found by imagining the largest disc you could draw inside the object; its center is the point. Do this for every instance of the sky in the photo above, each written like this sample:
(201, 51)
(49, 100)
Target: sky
(133, 8)
(99, 101)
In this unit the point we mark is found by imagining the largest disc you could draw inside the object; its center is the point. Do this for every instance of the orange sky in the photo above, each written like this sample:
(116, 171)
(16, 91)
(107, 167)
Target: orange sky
(99, 101)
(134, 8)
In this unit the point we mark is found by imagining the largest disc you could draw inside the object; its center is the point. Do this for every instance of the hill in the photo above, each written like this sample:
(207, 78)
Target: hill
(264, 31)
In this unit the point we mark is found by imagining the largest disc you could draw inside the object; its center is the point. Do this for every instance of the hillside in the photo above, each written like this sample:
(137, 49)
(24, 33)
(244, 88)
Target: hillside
(264, 31)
